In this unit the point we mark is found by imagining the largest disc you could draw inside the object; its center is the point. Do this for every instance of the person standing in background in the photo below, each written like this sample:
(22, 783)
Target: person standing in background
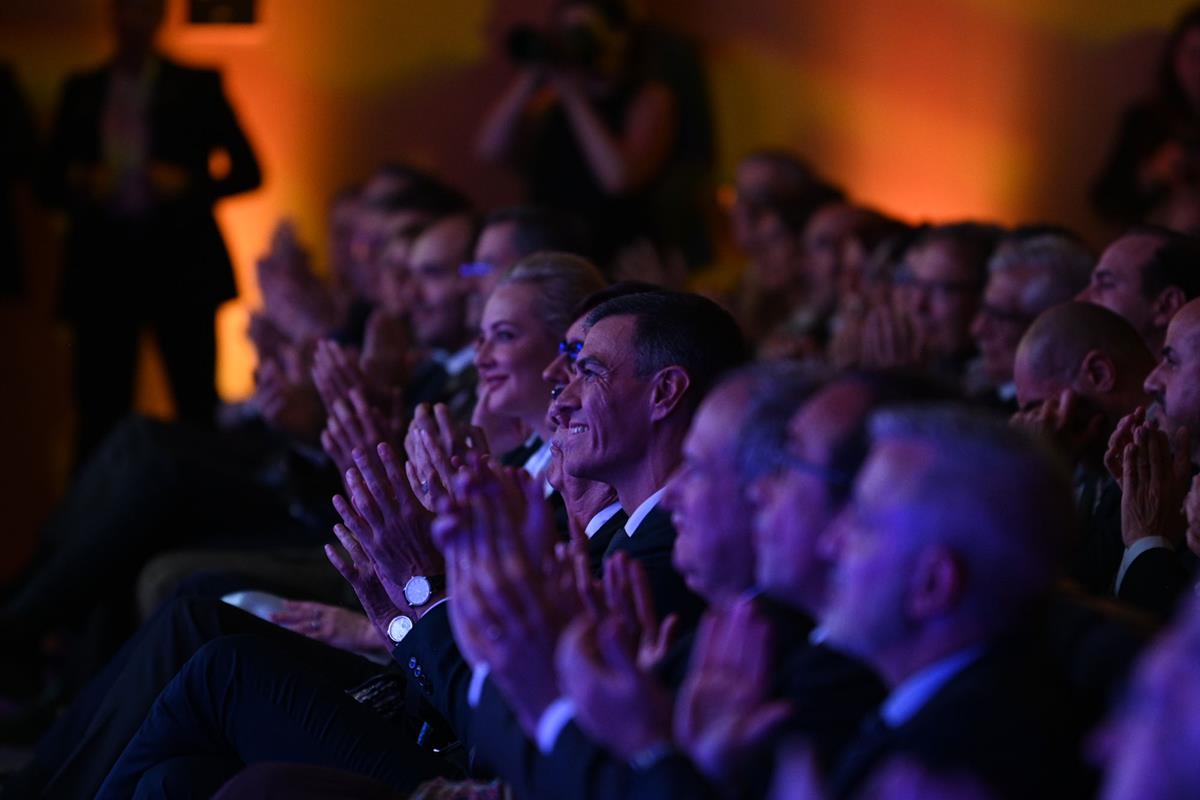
(130, 161)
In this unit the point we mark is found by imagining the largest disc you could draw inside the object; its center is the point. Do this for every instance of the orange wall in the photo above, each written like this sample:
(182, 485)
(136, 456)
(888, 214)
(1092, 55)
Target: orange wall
(928, 108)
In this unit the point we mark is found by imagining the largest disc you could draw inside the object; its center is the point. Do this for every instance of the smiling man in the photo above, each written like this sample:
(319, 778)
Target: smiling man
(646, 362)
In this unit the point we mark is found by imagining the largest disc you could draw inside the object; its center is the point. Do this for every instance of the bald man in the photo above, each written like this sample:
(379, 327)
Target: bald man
(1079, 370)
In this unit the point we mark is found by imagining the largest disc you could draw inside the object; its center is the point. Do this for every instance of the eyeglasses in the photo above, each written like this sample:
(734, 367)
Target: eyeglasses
(904, 277)
(570, 350)
(475, 269)
(834, 477)
(1006, 317)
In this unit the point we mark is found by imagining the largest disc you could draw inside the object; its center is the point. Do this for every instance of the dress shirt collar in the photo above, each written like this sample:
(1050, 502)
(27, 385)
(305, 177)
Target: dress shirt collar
(602, 516)
(913, 693)
(455, 362)
(536, 464)
(635, 519)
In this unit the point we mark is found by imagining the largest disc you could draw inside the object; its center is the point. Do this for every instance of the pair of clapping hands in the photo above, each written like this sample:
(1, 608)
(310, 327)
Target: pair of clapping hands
(1159, 496)
(530, 611)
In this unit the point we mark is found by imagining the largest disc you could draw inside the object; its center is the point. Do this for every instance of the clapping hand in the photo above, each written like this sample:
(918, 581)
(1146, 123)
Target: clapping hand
(1153, 485)
(294, 298)
(392, 527)
(724, 710)
(286, 398)
(353, 425)
(1121, 436)
(1063, 422)
(359, 571)
(889, 339)
(599, 674)
(506, 610)
(435, 445)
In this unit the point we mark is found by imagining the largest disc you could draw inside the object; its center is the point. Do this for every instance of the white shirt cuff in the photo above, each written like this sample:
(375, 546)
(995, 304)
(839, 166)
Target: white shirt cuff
(479, 676)
(553, 720)
(1133, 551)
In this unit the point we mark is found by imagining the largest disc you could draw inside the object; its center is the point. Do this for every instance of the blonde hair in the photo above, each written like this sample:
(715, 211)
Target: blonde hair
(562, 281)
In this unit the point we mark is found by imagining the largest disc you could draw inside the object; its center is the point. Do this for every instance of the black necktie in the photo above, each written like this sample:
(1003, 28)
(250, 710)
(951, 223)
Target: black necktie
(860, 755)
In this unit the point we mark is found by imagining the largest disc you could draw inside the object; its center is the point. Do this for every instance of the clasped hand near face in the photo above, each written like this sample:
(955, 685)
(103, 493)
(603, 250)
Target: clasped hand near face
(723, 711)
(1154, 473)
(1064, 422)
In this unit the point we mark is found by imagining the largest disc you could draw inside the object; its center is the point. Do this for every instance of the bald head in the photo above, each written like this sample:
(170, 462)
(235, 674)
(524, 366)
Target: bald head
(1060, 337)
(1086, 348)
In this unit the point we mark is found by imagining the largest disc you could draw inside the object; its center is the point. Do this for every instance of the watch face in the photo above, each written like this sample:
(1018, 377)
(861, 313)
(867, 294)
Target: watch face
(417, 590)
(398, 628)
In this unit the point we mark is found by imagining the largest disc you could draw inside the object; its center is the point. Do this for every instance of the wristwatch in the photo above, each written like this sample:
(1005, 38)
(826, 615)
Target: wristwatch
(399, 627)
(419, 589)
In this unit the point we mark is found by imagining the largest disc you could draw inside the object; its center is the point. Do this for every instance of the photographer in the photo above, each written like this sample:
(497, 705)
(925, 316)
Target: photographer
(1152, 173)
(587, 124)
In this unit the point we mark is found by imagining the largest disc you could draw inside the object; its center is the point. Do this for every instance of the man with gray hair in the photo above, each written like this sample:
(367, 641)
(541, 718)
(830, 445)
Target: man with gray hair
(1027, 275)
(948, 548)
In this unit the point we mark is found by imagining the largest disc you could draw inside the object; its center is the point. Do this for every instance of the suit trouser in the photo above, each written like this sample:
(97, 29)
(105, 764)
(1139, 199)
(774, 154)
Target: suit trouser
(75, 755)
(105, 361)
(151, 487)
(245, 699)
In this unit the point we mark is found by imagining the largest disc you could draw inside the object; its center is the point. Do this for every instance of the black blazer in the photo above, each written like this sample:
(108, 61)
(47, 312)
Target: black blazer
(829, 693)
(1000, 719)
(189, 119)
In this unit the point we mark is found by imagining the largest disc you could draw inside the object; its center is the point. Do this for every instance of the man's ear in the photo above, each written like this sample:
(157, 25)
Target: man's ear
(937, 585)
(1097, 373)
(668, 388)
(1169, 301)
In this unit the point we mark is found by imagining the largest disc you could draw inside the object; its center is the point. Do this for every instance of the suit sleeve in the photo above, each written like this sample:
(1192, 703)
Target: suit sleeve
(1154, 582)
(61, 150)
(431, 660)
(225, 133)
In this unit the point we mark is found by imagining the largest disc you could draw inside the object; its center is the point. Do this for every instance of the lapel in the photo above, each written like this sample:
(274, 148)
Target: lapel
(655, 536)
(598, 545)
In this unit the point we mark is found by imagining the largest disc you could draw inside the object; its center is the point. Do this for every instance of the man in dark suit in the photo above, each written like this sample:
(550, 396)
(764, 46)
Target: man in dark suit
(797, 464)
(949, 545)
(1026, 275)
(1079, 371)
(185, 719)
(129, 161)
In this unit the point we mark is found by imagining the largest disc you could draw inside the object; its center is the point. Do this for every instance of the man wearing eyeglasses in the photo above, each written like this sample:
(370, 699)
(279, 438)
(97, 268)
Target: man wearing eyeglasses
(938, 289)
(1026, 276)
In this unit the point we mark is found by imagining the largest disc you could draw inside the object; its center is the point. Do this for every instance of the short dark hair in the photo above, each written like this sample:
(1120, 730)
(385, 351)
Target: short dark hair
(539, 229)
(679, 329)
(1175, 262)
(618, 289)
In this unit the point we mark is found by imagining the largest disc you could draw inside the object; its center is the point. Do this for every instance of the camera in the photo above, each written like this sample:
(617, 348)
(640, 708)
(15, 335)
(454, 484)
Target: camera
(576, 48)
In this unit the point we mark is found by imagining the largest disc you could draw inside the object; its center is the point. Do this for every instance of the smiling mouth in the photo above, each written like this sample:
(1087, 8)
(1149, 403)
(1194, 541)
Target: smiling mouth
(576, 427)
